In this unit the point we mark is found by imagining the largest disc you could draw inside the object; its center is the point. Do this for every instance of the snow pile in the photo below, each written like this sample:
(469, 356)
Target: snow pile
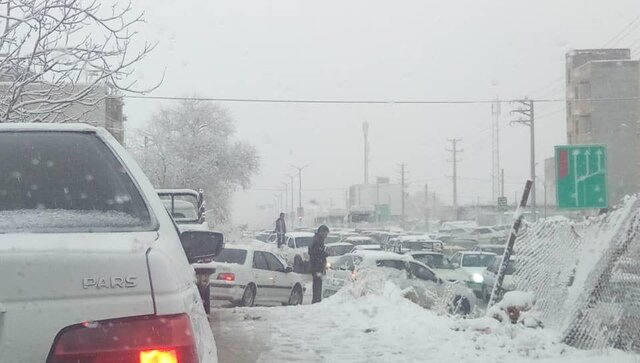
(42, 219)
(386, 327)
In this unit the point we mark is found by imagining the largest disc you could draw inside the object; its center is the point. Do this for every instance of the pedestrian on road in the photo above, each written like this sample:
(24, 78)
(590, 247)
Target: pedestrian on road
(318, 261)
(281, 229)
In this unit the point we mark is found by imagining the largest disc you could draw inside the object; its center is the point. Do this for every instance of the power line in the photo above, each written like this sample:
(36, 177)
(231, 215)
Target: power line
(375, 102)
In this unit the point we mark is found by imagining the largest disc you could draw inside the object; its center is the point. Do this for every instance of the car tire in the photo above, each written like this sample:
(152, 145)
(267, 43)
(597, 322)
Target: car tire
(249, 296)
(460, 306)
(296, 295)
(298, 264)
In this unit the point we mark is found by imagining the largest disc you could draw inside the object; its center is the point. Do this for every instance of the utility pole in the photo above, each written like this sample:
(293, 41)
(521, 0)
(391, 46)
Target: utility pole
(365, 131)
(527, 118)
(300, 210)
(426, 207)
(292, 216)
(495, 150)
(502, 182)
(402, 189)
(454, 152)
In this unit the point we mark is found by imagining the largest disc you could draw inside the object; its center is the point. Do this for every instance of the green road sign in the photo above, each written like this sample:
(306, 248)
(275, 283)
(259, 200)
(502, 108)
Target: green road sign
(581, 176)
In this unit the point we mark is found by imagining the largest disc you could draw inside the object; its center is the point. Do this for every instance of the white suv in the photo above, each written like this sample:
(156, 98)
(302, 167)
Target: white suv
(91, 264)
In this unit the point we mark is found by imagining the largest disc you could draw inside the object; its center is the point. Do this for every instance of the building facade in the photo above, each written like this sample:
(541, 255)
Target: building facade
(602, 90)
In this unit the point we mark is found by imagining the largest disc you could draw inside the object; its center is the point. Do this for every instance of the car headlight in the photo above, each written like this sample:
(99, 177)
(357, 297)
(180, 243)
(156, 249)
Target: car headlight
(477, 278)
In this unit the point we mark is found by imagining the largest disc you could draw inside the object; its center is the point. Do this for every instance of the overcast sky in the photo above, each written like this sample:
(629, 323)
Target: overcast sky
(377, 50)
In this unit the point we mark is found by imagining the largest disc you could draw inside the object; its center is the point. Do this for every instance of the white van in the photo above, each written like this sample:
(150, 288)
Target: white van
(92, 268)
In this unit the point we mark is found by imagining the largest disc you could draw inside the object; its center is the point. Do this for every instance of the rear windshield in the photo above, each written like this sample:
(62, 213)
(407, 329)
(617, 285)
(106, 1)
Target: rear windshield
(303, 241)
(339, 250)
(232, 255)
(53, 181)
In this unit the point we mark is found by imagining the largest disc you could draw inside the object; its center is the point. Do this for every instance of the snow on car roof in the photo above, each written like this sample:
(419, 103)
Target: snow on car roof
(299, 234)
(417, 238)
(358, 238)
(425, 253)
(476, 253)
(381, 255)
(70, 127)
(490, 246)
(338, 244)
(176, 191)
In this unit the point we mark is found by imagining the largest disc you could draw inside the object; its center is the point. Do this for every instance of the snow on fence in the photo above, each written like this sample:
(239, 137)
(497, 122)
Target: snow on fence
(585, 276)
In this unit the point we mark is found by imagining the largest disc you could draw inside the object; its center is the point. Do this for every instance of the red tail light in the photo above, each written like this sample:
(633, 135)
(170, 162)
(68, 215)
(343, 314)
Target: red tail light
(227, 276)
(145, 339)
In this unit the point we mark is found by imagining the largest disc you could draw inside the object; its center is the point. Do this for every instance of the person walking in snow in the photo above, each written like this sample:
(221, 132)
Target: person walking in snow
(281, 229)
(318, 261)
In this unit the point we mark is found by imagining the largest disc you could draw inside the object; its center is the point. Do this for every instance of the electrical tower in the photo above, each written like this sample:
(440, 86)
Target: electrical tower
(365, 131)
(526, 112)
(495, 151)
(454, 178)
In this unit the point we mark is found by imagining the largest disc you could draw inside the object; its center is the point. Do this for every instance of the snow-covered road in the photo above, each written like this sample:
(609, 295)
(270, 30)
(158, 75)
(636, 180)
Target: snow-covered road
(382, 328)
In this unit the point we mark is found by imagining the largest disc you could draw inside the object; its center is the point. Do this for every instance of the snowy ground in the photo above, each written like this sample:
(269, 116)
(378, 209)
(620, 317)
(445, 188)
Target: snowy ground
(382, 328)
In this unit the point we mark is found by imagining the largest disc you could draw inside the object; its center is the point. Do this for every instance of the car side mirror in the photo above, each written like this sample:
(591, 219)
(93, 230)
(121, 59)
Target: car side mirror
(201, 245)
(288, 269)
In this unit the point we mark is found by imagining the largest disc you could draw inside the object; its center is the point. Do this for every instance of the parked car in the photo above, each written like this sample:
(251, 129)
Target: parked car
(296, 252)
(404, 244)
(473, 264)
(497, 249)
(187, 208)
(248, 275)
(440, 264)
(487, 235)
(489, 276)
(359, 240)
(89, 253)
(405, 272)
(337, 249)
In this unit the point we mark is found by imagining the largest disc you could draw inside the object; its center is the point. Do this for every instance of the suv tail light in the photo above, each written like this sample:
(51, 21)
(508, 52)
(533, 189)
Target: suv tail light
(144, 339)
(227, 276)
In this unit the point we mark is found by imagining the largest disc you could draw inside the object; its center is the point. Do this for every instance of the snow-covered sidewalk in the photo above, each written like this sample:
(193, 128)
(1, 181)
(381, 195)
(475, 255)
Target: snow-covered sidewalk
(383, 328)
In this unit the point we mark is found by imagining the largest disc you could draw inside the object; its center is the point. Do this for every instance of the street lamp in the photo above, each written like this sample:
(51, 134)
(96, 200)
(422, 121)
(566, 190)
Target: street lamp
(299, 168)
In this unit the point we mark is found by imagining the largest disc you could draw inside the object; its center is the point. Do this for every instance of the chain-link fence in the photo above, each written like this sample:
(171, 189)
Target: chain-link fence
(585, 276)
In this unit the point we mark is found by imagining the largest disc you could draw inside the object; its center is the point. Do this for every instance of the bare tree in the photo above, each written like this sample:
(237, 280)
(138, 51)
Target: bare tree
(192, 146)
(60, 58)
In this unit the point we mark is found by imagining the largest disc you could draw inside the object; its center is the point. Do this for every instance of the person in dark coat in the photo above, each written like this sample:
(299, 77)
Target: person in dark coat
(318, 261)
(281, 230)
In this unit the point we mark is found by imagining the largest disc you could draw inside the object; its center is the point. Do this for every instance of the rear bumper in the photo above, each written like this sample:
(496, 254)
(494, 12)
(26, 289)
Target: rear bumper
(227, 292)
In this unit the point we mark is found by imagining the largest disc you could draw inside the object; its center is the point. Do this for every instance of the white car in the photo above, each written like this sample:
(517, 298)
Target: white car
(359, 240)
(89, 253)
(405, 272)
(487, 235)
(296, 250)
(404, 244)
(249, 275)
(440, 264)
(490, 274)
(472, 264)
(497, 249)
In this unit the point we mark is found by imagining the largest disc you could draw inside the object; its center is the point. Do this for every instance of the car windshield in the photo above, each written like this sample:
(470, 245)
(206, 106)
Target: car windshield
(476, 260)
(339, 250)
(181, 207)
(232, 255)
(346, 262)
(434, 261)
(53, 181)
(303, 241)
(360, 241)
(497, 250)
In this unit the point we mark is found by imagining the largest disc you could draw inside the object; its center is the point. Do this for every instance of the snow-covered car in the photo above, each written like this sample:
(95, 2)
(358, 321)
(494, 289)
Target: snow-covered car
(405, 244)
(248, 275)
(440, 264)
(486, 234)
(404, 271)
(186, 207)
(376, 247)
(296, 250)
(498, 249)
(337, 249)
(472, 264)
(489, 276)
(359, 240)
(90, 254)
